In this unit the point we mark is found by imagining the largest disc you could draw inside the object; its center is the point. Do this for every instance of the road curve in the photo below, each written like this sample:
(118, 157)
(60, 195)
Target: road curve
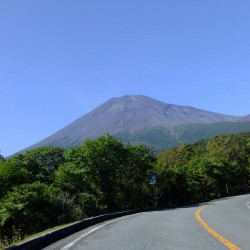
(169, 229)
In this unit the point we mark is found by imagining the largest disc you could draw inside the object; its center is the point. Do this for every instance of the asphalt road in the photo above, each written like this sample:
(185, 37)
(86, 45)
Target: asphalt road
(169, 229)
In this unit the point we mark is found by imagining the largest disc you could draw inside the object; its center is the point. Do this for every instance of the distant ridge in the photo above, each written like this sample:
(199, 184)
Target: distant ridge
(245, 118)
(129, 114)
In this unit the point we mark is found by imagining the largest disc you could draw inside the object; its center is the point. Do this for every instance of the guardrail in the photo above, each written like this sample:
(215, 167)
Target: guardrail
(51, 237)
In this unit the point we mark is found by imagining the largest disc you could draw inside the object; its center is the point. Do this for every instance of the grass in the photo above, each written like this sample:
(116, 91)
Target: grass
(33, 236)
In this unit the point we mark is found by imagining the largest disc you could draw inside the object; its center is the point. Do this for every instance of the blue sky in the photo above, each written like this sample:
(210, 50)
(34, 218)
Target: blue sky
(60, 59)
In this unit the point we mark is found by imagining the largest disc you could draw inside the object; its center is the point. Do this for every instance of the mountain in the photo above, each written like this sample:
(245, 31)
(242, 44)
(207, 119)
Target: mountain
(245, 118)
(136, 119)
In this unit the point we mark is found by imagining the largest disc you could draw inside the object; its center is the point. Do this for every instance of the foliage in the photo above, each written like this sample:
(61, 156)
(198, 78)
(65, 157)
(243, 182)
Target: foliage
(51, 186)
(105, 172)
(213, 168)
(12, 175)
(25, 209)
(133, 187)
(41, 163)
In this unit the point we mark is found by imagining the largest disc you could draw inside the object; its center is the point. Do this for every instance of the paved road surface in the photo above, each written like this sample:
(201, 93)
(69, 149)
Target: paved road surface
(169, 229)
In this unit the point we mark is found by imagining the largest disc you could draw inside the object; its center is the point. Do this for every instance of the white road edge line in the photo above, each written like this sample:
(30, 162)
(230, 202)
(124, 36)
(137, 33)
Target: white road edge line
(248, 204)
(72, 243)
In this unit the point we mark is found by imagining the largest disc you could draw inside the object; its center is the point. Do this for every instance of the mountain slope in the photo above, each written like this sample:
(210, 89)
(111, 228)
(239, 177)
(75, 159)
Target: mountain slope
(129, 114)
(161, 138)
(245, 118)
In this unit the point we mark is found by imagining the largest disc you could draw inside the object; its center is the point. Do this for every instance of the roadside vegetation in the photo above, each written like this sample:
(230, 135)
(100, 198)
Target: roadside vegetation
(50, 186)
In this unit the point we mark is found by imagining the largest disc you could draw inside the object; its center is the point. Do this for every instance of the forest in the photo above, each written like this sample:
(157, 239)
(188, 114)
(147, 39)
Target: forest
(52, 186)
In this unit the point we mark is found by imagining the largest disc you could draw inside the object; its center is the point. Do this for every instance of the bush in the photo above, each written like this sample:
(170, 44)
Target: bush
(25, 210)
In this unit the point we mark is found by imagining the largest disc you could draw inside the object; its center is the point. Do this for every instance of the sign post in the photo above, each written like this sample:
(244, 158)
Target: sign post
(152, 181)
(153, 178)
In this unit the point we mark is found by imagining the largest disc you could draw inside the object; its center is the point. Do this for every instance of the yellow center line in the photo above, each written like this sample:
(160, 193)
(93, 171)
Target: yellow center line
(220, 238)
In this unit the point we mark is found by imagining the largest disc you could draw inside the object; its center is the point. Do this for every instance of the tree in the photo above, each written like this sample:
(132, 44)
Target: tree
(92, 170)
(40, 162)
(105, 174)
(1, 157)
(104, 157)
(26, 209)
(200, 185)
(172, 168)
(228, 157)
(75, 180)
(11, 174)
(134, 188)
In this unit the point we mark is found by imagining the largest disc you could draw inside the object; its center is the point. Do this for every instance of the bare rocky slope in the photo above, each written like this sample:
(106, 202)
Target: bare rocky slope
(129, 114)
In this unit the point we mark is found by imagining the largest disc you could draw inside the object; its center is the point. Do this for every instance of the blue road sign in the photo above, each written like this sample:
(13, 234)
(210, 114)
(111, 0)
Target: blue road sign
(153, 178)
